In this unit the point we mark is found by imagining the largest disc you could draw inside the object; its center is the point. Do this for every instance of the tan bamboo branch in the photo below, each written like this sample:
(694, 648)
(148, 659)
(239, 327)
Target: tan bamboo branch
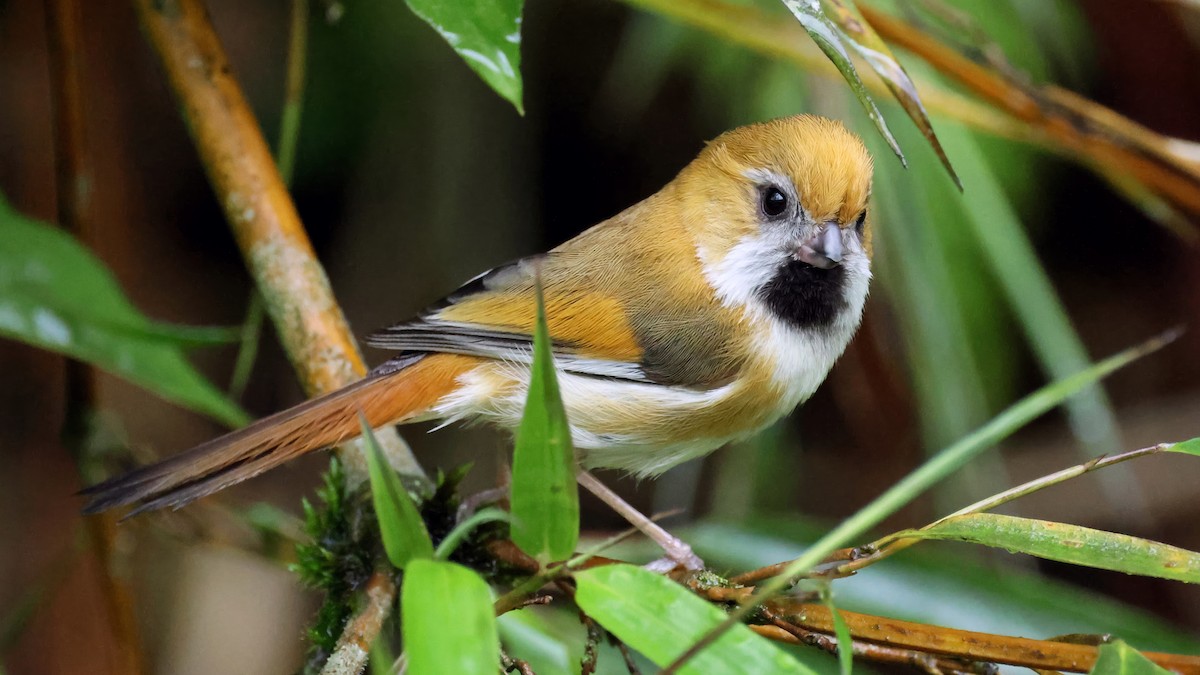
(276, 248)
(350, 654)
(259, 210)
(961, 644)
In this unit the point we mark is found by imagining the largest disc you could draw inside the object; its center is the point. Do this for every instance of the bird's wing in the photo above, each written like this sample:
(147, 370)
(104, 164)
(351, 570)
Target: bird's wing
(493, 316)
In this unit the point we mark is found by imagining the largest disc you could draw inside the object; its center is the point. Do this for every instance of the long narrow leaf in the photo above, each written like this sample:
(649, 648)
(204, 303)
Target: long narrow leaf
(447, 621)
(917, 254)
(929, 473)
(403, 532)
(829, 38)
(1010, 255)
(1070, 544)
(660, 619)
(859, 34)
(841, 631)
(545, 499)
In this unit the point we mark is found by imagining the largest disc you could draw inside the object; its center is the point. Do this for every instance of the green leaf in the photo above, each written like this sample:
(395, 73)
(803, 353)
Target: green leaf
(1118, 658)
(859, 34)
(935, 469)
(945, 586)
(56, 295)
(1191, 447)
(661, 619)
(841, 631)
(544, 496)
(529, 635)
(400, 525)
(919, 255)
(1070, 544)
(381, 658)
(486, 34)
(830, 39)
(462, 530)
(447, 620)
(1007, 250)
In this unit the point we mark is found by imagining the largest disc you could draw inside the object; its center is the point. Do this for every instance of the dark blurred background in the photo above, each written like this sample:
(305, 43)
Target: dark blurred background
(413, 176)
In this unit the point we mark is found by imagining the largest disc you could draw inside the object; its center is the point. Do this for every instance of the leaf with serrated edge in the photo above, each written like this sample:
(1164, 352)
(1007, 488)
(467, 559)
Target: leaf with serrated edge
(1072, 544)
(400, 525)
(661, 619)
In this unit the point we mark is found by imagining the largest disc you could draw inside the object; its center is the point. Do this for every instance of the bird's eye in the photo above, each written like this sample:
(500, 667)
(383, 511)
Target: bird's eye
(861, 223)
(774, 202)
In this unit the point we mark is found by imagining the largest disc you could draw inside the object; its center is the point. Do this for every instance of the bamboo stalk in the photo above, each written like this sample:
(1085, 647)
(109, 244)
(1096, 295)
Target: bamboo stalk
(264, 220)
(276, 248)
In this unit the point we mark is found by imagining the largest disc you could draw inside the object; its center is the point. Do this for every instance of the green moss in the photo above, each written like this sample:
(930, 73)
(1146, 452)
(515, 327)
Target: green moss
(339, 560)
(345, 548)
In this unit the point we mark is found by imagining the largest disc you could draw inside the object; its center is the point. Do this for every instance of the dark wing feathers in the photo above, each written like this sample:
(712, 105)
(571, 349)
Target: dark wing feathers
(427, 333)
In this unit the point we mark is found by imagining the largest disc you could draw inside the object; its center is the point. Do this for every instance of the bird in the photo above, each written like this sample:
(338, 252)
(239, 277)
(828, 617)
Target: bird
(696, 317)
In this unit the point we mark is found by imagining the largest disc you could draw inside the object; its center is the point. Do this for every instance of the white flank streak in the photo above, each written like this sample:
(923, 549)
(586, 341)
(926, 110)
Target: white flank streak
(496, 393)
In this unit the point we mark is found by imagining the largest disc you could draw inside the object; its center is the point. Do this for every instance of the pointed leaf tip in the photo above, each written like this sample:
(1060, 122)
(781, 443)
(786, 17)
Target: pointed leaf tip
(486, 34)
(544, 496)
(400, 525)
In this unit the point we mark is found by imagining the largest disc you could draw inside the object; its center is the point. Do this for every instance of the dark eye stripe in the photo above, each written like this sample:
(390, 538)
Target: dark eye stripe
(861, 222)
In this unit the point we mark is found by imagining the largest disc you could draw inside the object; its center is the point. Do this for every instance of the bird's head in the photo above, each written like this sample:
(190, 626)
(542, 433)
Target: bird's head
(779, 216)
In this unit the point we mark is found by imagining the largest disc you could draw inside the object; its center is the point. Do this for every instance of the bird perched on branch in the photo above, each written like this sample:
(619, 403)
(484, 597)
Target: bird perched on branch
(696, 317)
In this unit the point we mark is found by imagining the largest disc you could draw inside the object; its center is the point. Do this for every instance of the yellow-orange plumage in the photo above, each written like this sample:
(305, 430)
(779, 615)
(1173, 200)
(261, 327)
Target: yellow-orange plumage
(696, 316)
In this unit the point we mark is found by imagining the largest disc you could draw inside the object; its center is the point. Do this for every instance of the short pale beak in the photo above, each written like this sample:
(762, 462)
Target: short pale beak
(823, 249)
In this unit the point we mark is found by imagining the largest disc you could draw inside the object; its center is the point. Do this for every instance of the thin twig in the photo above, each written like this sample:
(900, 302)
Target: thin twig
(847, 561)
(350, 654)
(511, 665)
(930, 663)
(892, 544)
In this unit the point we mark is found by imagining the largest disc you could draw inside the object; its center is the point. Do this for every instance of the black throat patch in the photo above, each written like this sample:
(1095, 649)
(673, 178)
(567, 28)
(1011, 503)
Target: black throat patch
(804, 296)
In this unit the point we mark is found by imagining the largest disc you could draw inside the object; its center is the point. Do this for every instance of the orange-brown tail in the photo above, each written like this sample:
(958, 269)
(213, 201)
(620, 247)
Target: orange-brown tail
(384, 398)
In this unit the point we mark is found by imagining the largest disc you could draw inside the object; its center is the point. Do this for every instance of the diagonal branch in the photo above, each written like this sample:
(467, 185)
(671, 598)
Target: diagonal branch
(260, 212)
(276, 248)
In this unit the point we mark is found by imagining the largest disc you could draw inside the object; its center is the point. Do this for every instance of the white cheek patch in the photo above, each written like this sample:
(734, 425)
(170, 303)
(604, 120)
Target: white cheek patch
(744, 270)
